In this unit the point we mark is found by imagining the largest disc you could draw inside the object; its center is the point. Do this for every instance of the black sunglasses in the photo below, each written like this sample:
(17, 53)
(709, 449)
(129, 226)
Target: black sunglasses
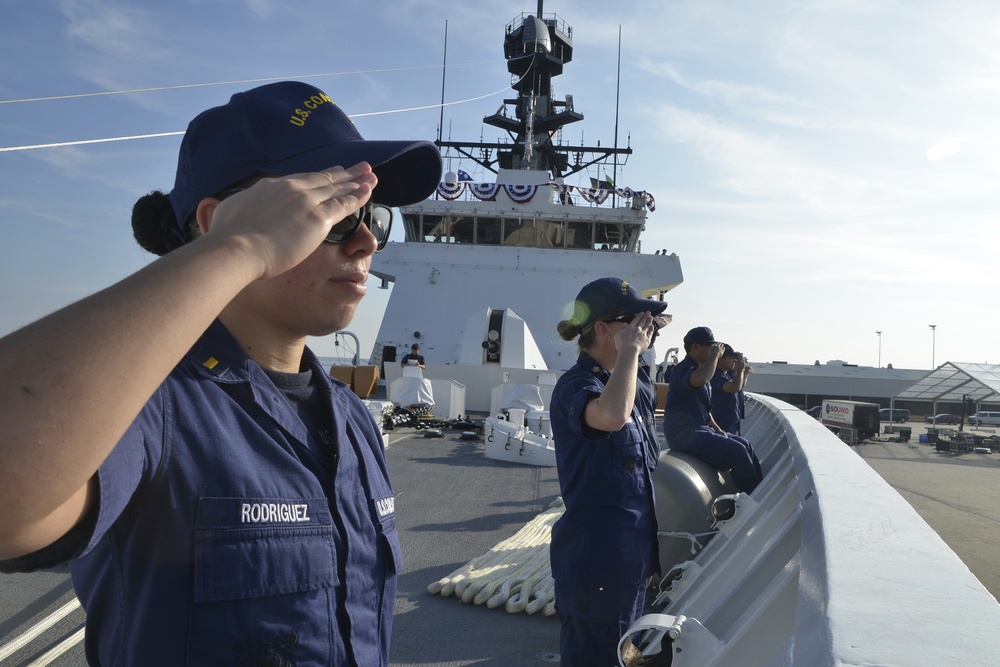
(377, 217)
(627, 319)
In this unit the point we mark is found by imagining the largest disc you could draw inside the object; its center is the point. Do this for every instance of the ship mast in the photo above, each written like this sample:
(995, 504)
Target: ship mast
(536, 48)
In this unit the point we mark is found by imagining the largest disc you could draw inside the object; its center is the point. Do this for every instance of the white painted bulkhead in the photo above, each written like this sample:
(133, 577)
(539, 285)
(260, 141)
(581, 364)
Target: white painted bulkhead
(437, 287)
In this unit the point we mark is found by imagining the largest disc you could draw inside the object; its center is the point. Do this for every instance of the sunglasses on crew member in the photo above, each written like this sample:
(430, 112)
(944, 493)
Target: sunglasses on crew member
(377, 217)
(628, 317)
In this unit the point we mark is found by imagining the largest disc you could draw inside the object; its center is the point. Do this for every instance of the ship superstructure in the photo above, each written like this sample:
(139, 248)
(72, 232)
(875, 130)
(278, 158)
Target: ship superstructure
(487, 269)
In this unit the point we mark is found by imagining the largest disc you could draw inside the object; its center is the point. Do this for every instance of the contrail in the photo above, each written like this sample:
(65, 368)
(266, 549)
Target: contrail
(82, 142)
(227, 83)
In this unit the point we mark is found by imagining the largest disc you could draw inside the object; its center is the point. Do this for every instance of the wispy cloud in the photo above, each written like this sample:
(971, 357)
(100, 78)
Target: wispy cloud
(122, 32)
(19, 210)
(943, 149)
(736, 95)
(769, 167)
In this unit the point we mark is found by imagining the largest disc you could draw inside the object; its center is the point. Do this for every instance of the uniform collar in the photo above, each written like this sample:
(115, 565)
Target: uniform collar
(219, 356)
(587, 363)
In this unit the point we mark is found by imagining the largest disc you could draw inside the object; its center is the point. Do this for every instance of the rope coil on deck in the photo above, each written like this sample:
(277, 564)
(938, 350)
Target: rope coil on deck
(515, 573)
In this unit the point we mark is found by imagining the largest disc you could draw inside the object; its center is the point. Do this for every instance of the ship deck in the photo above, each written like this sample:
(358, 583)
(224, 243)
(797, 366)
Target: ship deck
(453, 504)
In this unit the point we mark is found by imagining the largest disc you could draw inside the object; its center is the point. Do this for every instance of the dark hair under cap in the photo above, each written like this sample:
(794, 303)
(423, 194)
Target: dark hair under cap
(287, 128)
(154, 224)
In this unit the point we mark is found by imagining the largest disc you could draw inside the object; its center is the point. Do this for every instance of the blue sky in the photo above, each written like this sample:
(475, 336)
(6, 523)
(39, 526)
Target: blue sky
(825, 170)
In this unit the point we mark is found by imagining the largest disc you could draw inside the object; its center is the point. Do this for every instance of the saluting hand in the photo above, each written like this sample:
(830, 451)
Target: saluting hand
(637, 334)
(284, 219)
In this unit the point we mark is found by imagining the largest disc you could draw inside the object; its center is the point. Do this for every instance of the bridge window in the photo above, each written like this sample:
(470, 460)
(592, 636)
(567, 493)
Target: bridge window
(526, 232)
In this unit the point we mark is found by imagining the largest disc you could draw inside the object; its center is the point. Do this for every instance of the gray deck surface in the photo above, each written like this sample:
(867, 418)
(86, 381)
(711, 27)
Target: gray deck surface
(452, 505)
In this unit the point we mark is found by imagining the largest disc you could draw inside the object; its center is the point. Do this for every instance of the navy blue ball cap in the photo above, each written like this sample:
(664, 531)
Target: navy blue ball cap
(700, 335)
(728, 351)
(607, 297)
(287, 128)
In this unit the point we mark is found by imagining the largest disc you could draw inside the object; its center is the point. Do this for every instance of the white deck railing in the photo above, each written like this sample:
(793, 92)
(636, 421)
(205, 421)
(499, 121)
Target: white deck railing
(826, 564)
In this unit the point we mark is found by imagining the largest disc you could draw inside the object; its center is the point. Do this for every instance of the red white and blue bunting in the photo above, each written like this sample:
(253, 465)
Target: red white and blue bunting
(520, 193)
(484, 191)
(594, 195)
(524, 193)
(451, 191)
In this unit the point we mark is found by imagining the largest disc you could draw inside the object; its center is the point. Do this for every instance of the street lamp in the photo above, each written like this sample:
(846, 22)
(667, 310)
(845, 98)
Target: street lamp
(933, 340)
(879, 333)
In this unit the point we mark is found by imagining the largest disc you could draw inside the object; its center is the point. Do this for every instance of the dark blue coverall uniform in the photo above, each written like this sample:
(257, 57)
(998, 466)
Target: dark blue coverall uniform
(604, 547)
(686, 429)
(230, 531)
(726, 408)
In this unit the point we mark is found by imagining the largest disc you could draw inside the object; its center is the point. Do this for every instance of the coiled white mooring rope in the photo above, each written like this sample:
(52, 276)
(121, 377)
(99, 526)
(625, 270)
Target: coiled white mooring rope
(515, 573)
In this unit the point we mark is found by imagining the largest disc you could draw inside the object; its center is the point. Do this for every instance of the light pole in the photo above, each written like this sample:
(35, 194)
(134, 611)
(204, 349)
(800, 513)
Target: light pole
(933, 340)
(879, 333)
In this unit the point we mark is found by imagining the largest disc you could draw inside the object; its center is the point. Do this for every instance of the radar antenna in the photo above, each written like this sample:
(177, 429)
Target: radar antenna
(537, 47)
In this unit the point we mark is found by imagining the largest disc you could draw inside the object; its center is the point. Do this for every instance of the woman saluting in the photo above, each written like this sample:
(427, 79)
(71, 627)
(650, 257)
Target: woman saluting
(604, 548)
(219, 498)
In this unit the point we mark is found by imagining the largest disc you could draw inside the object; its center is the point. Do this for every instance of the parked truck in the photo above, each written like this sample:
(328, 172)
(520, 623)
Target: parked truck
(853, 421)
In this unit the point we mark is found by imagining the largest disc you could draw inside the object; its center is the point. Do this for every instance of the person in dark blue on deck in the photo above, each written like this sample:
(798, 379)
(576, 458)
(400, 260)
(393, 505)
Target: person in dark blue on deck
(604, 547)
(688, 425)
(728, 383)
(413, 356)
(221, 500)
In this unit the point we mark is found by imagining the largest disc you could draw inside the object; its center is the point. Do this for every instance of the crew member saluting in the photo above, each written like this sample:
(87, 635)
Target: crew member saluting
(220, 499)
(604, 547)
(688, 423)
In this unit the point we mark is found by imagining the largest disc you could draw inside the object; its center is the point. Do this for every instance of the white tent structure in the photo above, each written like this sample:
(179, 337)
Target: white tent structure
(955, 381)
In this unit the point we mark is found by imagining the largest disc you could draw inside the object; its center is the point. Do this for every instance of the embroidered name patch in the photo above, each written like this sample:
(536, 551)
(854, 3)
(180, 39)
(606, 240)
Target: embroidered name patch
(385, 506)
(274, 513)
(254, 512)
